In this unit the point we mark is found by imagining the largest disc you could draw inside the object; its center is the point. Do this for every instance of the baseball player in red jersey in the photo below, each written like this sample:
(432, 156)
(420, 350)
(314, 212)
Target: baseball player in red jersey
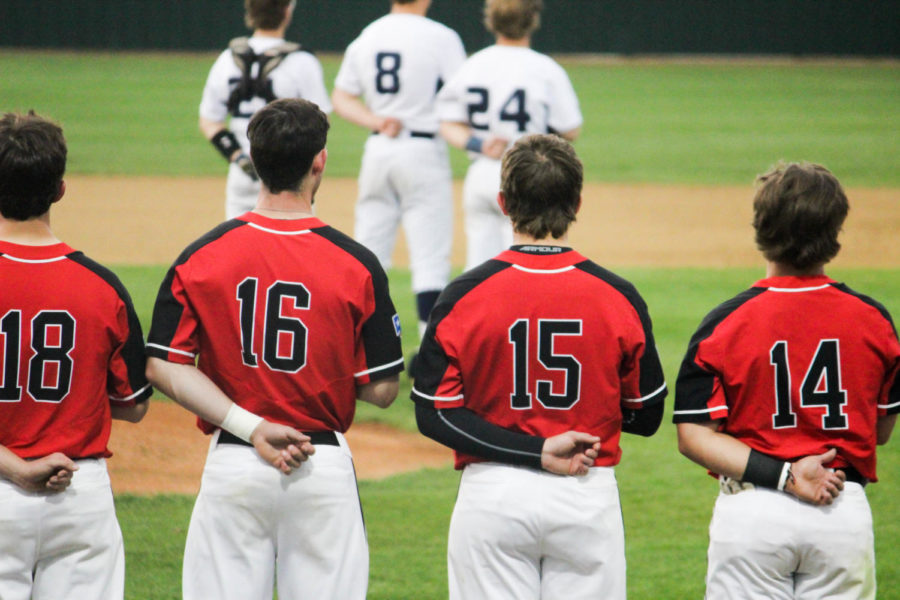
(784, 393)
(388, 81)
(532, 366)
(251, 72)
(285, 339)
(71, 358)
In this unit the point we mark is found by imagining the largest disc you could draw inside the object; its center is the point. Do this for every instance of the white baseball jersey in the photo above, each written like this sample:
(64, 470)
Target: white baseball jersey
(508, 91)
(397, 65)
(298, 76)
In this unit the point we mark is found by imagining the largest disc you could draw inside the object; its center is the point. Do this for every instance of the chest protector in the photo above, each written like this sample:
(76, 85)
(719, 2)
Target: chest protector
(259, 86)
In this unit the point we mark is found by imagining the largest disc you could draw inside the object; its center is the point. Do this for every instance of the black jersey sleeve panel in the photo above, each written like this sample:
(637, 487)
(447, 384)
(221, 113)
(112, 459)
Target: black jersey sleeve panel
(652, 378)
(694, 385)
(432, 361)
(466, 432)
(381, 331)
(894, 392)
(167, 311)
(133, 349)
(643, 422)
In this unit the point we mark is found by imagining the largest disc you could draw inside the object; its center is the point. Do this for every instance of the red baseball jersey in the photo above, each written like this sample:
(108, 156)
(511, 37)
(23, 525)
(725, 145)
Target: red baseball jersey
(540, 340)
(70, 346)
(287, 317)
(793, 367)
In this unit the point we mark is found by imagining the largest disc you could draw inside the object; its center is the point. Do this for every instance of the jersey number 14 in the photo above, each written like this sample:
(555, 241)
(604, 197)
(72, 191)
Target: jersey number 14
(820, 387)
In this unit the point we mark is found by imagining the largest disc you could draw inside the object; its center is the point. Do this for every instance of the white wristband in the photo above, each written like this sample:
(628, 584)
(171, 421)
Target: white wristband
(240, 422)
(785, 475)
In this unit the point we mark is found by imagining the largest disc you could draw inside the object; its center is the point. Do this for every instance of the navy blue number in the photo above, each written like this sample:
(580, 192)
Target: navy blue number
(479, 106)
(387, 80)
(514, 110)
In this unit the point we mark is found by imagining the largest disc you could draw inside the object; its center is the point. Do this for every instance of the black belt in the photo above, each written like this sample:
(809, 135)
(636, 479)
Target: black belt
(325, 438)
(416, 134)
(853, 475)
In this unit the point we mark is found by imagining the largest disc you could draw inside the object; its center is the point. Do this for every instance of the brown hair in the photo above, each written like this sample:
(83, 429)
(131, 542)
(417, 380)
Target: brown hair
(265, 14)
(514, 19)
(285, 136)
(798, 212)
(32, 164)
(541, 179)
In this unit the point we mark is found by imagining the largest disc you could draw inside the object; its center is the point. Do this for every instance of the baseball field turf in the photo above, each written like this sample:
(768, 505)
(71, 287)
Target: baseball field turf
(667, 124)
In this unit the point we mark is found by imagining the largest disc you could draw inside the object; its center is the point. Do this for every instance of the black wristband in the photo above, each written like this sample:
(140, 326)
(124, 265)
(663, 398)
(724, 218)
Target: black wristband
(763, 470)
(225, 143)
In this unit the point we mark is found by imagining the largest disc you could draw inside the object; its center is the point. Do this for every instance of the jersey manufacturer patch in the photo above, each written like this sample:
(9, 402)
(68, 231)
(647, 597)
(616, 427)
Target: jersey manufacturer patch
(396, 319)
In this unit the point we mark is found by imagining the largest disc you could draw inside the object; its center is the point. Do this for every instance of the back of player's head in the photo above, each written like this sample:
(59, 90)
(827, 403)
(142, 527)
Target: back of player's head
(285, 136)
(513, 19)
(265, 14)
(32, 164)
(798, 212)
(541, 179)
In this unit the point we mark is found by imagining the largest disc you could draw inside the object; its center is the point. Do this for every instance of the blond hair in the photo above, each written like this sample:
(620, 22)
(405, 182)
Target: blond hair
(513, 19)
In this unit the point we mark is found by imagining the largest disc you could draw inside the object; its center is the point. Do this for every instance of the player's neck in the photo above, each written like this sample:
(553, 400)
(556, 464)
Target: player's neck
(522, 239)
(524, 42)
(285, 205)
(777, 269)
(33, 232)
(414, 8)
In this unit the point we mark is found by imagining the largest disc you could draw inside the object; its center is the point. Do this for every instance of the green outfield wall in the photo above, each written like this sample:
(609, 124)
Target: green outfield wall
(782, 27)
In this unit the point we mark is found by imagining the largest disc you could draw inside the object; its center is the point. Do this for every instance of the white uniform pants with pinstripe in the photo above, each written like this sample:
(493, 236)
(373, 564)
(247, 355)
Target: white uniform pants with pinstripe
(767, 544)
(252, 525)
(65, 545)
(523, 534)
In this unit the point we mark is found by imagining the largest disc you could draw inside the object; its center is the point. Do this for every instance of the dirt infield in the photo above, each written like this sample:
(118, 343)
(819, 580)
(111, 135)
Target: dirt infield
(150, 220)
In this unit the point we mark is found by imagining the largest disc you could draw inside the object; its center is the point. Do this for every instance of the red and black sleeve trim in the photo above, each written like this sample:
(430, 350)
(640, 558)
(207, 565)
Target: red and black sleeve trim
(133, 350)
(694, 385)
(380, 339)
(167, 311)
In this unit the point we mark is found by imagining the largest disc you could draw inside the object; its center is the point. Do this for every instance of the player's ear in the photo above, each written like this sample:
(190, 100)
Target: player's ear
(501, 202)
(578, 206)
(61, 193)
(318, 166)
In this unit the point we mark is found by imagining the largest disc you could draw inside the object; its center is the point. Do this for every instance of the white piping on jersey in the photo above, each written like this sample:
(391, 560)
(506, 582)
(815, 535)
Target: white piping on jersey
(167, 349)
(276, 232)
(381, 368)
(134, 395)
(698, 412)
(887, 406)
(543, 271)
(807, 289)
(437, 398)
(643, 399)
(483, 443)
(34, 261)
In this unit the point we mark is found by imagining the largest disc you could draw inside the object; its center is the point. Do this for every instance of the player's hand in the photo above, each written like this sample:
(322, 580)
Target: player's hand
(812, 482)
(390, 126)
(281, 446)
(494, 146)
(51, 473)
(570, 453)
(246, 165)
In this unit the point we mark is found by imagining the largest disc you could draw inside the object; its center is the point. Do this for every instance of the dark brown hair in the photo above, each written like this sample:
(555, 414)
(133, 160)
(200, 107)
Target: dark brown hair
(798, 212)
(285, 136)
(265, 14)
(514, 19)
(32, 164)
(541, 179)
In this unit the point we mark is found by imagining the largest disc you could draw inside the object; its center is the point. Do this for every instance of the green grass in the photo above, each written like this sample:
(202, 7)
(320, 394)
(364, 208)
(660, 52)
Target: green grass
(667, 123)
(667, 501)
